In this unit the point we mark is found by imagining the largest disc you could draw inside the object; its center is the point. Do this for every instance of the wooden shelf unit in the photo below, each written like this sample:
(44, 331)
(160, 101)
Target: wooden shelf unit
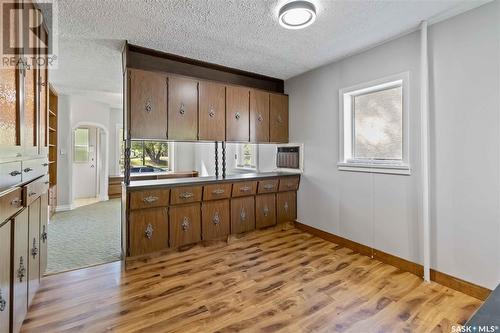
(53, 105)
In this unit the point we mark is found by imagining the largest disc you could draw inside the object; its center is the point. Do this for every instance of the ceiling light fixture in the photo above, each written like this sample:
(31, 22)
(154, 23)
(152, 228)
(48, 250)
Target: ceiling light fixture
(297, 15)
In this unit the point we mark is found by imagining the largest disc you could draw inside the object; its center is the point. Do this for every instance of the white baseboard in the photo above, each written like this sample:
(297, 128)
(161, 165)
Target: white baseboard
(64, 208)
(103, 198)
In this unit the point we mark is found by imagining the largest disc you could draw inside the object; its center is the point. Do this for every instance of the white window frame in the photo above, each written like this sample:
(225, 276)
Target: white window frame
(239, 158)
(346, 131)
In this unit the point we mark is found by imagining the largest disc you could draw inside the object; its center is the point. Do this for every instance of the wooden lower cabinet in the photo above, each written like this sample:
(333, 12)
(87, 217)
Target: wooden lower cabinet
(286, 203)
(185, 224)
(5, 232)
(20, 270)
(148, 230)
(242, 215)
(265, 210)
(44, 220)
(215, 219)
(34, 249)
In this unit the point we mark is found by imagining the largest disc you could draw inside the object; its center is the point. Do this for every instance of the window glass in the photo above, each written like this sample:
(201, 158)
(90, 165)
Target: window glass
(378, 125)
(81, 147)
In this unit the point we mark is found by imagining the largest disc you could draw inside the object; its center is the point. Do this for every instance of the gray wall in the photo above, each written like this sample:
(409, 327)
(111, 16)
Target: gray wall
(384, 211)
(465, 99)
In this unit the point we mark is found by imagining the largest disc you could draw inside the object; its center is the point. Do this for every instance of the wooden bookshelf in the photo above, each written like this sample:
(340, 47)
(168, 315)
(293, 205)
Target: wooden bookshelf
(53, 106)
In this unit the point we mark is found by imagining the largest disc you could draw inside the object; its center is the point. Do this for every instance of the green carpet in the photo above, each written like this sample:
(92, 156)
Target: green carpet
(85, 236)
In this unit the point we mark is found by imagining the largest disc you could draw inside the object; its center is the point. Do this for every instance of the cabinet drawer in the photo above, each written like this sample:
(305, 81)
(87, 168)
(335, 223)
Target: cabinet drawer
(265, 210)
(185, 225)
(149, 199)
(34, 190)
(286, 203)
(268, 186)
(289, 183)
(5, 233)
(10, 174)
(244, 188)
(217, 191)
(186, 194)
(10, 203)
(34, 168)
(215, 219)
(148, 230)
(242, 215)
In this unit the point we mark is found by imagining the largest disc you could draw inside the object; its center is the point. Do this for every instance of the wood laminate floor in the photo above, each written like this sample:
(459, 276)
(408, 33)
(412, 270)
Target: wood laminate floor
(267, 281)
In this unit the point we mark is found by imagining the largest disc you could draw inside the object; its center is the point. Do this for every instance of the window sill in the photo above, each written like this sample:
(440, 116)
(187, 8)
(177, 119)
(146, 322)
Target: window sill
(392, 169)
(245, 168)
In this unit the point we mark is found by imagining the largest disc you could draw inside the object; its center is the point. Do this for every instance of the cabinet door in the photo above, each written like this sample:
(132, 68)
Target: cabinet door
(5, 277)
(212, 114)
(182, 108)
(278, 113)
(10, 96)
(34, 249)
(242, 215)
(259, 116)
(148, 105)
(237, 114)
(265, 210)
(20, 273)
(185, 225)
(287, 206)
(44, 219)
(148, 230)
(215, 219)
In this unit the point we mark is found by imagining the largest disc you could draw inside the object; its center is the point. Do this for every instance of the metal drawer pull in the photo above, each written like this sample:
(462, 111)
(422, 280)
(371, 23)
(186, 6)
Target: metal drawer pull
(148, 107)
(150, 199)
(3, 303)
(216, 218)
(266, 211)
(211, 111)
(243, 215)
(181, 110)
(149, 231)
(260, 118)
(186, 195)
(245, 189)
(28, 170)
(31, 194)
(237, 115)
(218, 191)
(268, 186)
(286, 206)
(15, 173)
(16, 202)
(45, 164)
(185, 224)
(44, 234)
(34, 250)
(21, 271)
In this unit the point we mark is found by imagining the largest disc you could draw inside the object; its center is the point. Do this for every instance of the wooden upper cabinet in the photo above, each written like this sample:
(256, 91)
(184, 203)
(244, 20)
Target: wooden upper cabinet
(237, 114)
(212, 113)
(278, 110)
(259, 116)
(182, 108)
(148, 105)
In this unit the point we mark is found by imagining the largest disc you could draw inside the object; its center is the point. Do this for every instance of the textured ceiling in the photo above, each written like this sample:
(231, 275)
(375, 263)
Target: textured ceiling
(243, 34)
